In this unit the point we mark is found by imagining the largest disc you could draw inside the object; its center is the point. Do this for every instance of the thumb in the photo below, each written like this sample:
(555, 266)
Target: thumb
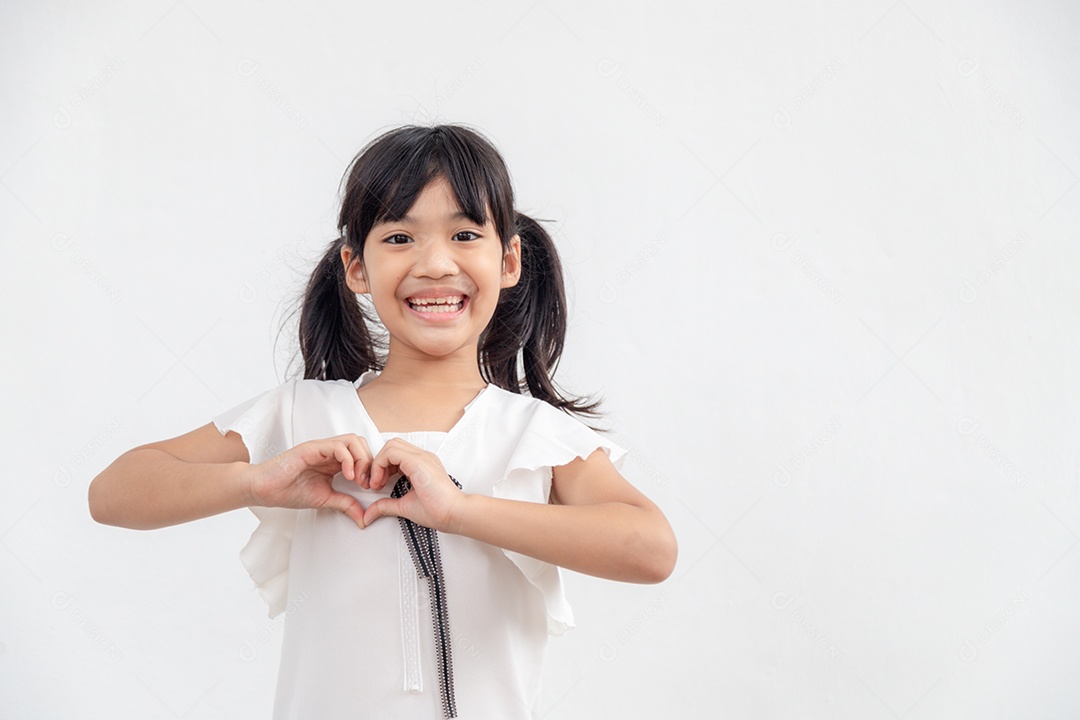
(348, 505)
(383, 507)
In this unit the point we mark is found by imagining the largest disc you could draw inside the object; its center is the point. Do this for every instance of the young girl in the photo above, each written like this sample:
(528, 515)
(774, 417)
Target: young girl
(493, 490)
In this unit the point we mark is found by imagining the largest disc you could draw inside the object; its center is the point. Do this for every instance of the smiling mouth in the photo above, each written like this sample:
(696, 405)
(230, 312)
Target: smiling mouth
(436, 306)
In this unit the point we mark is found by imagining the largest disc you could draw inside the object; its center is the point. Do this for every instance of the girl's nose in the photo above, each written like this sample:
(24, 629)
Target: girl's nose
(435, 260)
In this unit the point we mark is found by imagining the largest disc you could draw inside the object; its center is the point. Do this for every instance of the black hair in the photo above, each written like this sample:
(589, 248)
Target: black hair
(340, 338)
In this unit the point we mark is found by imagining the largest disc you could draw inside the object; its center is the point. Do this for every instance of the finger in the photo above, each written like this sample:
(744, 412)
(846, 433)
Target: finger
(381, 470)
(350, 453)
(389, 460)
(347, 467)
(343, 454)
(383, 507)
(348, 505)
(384, 475)
(379, 464)
(331, 451)
(362, 459)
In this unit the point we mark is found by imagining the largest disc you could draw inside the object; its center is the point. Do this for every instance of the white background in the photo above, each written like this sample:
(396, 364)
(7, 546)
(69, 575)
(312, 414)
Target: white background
(821, 262)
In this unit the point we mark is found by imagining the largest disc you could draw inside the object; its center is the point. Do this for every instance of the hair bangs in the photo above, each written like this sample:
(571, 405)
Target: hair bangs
(404, 178)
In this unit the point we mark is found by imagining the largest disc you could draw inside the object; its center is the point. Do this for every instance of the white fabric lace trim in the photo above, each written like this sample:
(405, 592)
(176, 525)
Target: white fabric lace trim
(410, 618)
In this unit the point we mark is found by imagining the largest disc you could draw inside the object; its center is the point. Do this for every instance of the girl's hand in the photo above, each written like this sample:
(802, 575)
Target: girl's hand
(302, 476)
(433, 498)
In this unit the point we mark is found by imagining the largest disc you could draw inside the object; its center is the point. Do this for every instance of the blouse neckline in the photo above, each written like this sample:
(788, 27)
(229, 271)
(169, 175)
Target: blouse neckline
(470, 407)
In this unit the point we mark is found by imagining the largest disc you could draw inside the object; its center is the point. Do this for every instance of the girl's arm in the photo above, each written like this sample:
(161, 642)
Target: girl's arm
(204, 473)
(600, 525)
(173, 481)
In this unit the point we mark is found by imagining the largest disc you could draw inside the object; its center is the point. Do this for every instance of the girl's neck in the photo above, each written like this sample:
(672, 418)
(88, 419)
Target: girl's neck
(431, 373)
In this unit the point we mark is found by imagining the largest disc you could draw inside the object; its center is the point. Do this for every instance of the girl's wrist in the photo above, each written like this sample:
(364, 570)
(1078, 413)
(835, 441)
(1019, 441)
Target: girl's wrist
(461, 514)
(245, 480)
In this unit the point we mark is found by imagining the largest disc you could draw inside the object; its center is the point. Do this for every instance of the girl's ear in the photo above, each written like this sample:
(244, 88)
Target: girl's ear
(354, 273)
(512, 263)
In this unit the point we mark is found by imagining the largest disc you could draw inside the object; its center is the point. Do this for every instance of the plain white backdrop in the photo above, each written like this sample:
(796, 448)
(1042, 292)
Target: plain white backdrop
(821, 263)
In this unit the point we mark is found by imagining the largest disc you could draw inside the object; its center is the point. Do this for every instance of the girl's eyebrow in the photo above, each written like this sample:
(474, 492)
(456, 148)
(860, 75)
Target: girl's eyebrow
(410, 220)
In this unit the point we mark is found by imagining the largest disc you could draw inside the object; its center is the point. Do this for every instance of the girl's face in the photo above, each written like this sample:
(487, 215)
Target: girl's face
(437, 255)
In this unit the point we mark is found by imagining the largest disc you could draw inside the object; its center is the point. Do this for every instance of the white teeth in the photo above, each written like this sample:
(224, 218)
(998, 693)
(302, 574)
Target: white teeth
(437, 305)
(437, 309)
(452, 300)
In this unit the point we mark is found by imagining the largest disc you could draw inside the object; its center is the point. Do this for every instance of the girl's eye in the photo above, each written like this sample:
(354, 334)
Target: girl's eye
(392, 238)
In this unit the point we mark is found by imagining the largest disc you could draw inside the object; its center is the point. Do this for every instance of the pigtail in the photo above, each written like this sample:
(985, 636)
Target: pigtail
(531, 317)
(334, 337)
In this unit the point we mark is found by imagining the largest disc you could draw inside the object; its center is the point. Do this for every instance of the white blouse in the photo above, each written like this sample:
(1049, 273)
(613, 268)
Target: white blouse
(358, 640)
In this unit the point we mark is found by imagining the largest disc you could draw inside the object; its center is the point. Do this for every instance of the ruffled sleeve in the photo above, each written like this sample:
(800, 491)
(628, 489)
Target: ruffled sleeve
(264, 423)
(550, 438)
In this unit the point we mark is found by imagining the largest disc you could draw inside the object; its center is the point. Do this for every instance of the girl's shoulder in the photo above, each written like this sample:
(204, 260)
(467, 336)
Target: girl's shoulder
(523, 414)
(525, 405)
(312, 386)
